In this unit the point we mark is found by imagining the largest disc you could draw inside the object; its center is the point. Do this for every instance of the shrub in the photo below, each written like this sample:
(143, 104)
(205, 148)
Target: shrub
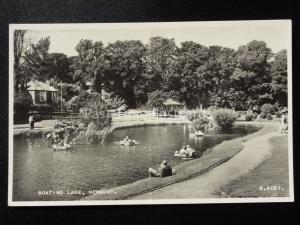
(262, 115)
(269, 116)
(224, 118)
(255, 115)
(268, 108)
(195, 115)
(22, 103)
(249, 116)
(277, 114)
(200, 123)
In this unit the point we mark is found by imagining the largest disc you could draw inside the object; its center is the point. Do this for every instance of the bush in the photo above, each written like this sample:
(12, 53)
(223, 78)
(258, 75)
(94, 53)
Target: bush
(255, 115)
(200, 123)
(22, 103)
(224, 118)
(268, 108)
(269, 116)
(249, 116)
(194, 116)
(262, 115)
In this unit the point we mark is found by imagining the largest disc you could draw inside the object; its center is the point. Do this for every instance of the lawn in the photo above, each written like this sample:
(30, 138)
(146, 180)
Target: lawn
(269, 179)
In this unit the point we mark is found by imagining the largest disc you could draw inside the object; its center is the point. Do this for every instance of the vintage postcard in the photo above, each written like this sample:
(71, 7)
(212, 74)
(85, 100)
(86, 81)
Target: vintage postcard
(150, 113)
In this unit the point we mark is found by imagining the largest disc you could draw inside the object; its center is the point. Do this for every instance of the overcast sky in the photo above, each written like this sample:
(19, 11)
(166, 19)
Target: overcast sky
(63, 38)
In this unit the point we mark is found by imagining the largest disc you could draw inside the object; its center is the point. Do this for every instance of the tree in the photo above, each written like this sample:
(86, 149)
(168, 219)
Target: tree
(252, 74)
(19, 48)
(123, 68)
(160, 56)
(87, 65)
(35, 60)
(279, 78)
(222, 64)
(156, 99)
(190, 76)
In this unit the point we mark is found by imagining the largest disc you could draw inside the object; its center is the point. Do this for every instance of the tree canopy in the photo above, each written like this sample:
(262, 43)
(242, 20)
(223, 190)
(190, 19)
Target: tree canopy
(141, 74)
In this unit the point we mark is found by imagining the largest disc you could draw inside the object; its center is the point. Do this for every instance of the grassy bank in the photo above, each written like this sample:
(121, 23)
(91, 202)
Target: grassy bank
(189, 169)
(269, 179)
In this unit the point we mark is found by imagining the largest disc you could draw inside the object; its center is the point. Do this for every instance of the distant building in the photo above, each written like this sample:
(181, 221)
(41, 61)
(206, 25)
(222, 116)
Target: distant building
(172, 107)
(42, 93)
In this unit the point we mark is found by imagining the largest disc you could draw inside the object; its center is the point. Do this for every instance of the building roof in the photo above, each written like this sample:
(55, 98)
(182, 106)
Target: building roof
(40, 86)
(169, 102)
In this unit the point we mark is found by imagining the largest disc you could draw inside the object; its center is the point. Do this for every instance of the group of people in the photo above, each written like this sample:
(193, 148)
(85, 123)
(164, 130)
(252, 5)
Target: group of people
(187, 151)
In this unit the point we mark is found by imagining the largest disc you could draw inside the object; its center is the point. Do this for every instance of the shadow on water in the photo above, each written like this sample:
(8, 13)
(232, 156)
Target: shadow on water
(91, 167)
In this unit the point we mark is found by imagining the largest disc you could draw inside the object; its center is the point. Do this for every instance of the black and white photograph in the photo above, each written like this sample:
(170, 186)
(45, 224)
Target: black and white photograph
(150, 113)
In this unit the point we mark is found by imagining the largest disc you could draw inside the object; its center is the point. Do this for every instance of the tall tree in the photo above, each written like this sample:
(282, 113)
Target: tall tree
(19, 48)
(190, 75)
(122, 68)
(86, 66)
(279, 77)
(160, 56)
(251, 77)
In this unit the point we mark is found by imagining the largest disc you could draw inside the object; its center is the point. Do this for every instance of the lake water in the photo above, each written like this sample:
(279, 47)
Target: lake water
(92, 167)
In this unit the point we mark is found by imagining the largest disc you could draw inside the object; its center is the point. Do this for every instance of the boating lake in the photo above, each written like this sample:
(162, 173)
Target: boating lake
(102, 166)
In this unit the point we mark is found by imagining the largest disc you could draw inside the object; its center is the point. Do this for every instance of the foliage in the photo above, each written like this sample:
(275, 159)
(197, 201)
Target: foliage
(267, 108)
(262, 115)
(255, 115)
(19, 48)
(200, 123)
(92, 127)
(22, 103)
(249, 116)
(279, 77)
(224, 118)
(156, 99)
(269, 116)
(251, 77)
(133, 72)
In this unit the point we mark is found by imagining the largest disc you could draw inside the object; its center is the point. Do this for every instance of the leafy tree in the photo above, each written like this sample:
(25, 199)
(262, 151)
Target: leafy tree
(123, 68)
(86, 66)
(279, 77)
(160, 56)
(19, 48)
(190, 76)
(252, 73)
(36, 60)
(156, 99)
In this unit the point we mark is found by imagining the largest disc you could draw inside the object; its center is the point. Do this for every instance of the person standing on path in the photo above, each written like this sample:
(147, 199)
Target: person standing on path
(31, 122)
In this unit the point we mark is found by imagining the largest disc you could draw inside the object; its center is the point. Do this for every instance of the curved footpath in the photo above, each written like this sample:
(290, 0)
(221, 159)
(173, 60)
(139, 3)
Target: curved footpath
(255, 151)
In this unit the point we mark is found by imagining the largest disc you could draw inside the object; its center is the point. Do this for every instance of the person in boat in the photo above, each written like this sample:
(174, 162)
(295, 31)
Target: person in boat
(164, 170)
(183, 150)
(190, 151)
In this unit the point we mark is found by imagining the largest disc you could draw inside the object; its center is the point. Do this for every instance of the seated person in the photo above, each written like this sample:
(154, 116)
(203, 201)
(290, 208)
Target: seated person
(126, 138)
(183, 150)
(164, 170)
(190, 151)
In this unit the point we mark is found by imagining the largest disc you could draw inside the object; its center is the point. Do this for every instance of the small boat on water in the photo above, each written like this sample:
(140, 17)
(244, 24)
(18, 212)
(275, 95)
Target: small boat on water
(187, 155)
(61, 147)
(128, 142)
(198, 133)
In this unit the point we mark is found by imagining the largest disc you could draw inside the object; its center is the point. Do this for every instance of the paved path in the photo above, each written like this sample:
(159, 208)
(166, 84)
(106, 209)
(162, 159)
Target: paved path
(255, 151)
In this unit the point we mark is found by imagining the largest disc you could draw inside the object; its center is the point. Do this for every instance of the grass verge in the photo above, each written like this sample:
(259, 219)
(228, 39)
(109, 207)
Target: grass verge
(269, 179)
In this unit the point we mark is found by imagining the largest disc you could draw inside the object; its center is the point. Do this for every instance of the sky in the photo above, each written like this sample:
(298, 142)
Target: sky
(64, 37)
